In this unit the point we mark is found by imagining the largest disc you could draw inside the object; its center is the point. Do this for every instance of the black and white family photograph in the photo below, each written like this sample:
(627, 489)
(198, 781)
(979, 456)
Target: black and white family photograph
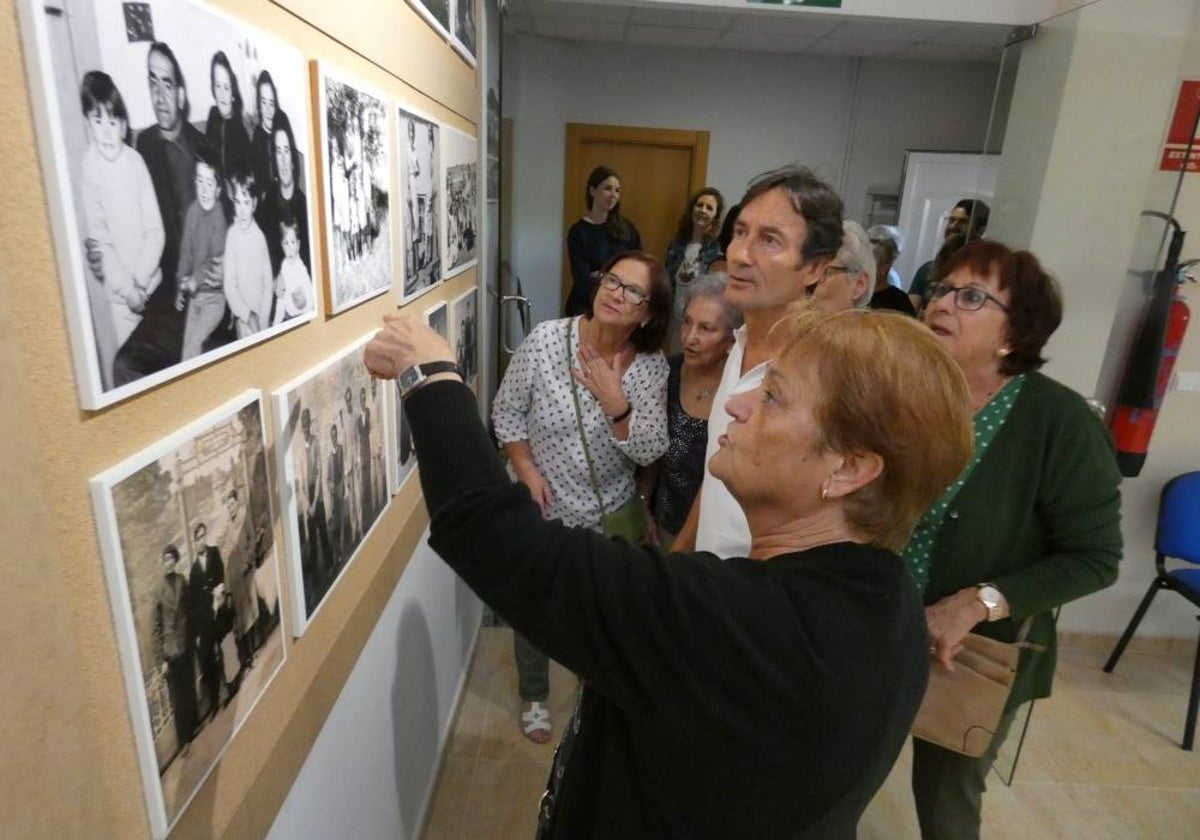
(404, 457)
(357, 165)
(175, 145)
(189, 553)
(420, 168)
(438, 318)
(466, 342)
(333, 463)
(436, 13)
(464, 29)
(460, 153)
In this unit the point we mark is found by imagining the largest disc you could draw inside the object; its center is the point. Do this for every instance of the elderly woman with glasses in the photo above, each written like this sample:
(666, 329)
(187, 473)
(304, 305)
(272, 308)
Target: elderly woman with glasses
(1033, 521)
(847, 281)
(608, 364)
(766, 695)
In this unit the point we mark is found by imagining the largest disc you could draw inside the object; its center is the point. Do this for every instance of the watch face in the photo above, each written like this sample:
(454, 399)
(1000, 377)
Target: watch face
(409, 378)
(990, 597)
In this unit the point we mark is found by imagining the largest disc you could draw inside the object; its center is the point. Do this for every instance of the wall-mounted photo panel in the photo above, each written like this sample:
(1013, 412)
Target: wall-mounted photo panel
(464, 38)
(460, 156)
(420, 196)
(464, 318)
(436, 14)
(169, 250)
(403, 455)
(333, 462)
(356, 182)
(189, 555)
(438, 317)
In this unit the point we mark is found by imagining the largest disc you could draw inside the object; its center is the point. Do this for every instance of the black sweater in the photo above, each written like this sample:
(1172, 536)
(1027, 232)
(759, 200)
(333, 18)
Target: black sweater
(731, 698)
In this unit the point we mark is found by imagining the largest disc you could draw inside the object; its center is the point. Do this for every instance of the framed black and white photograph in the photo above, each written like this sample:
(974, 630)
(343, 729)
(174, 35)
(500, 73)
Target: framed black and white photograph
(189, 554)
(420, 195)
(460, 156)
(333, 462)
(357, 185)
(493, 145)
(464, 315)
(174, 142)
(436, 14)
(464, 37)
(438, 317)
(403, 455)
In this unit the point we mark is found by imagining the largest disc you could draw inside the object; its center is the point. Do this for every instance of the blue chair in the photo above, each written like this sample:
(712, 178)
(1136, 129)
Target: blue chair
(1177, 536)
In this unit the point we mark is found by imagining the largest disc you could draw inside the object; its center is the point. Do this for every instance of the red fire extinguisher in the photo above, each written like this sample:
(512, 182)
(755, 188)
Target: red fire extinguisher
(1132, 426)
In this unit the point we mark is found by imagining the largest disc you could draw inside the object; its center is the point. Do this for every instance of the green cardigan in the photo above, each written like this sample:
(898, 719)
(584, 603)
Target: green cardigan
(1039, 518)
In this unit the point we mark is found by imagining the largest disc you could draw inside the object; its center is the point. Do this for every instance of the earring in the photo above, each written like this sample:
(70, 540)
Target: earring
(824, 494)
(1003, 351)
(644, 323)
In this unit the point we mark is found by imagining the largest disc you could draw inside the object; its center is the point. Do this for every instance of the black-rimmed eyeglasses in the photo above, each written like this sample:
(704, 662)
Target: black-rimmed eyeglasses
(629, 292)
(966, 298)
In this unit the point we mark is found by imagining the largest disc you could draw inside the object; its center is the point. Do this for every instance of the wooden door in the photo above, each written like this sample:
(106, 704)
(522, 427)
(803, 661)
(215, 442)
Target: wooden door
(659, 169)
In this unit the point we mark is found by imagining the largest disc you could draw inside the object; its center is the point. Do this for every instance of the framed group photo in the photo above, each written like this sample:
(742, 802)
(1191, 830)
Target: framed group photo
(454, 20)
(460, 162)
(175, 149)
(465, 319)
(189, 554)
(420, 196)
(356, 181)
(333, 462)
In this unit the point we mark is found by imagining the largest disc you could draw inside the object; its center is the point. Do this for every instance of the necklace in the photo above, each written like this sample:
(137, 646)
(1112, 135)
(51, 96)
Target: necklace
(703, 394)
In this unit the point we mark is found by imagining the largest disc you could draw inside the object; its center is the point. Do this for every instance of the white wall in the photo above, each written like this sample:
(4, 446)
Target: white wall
(1090, 110)
(371, 771)
(762, 111)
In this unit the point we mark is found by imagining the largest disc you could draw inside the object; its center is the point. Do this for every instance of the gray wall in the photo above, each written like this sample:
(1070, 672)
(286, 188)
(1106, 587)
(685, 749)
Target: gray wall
(761, 109)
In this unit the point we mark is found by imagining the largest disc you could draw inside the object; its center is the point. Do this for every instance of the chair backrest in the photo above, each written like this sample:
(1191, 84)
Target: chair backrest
(1179, 518)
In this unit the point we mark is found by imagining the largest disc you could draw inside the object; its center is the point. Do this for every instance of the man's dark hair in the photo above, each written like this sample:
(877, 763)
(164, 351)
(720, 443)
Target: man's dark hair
(979, 212)
(169, 54)
(814, 201)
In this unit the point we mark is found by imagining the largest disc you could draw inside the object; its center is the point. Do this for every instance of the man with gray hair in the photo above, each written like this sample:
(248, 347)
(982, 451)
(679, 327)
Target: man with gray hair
(788, 231)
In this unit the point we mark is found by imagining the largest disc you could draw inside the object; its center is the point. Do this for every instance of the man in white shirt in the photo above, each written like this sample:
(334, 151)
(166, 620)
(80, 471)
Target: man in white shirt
(785, 243)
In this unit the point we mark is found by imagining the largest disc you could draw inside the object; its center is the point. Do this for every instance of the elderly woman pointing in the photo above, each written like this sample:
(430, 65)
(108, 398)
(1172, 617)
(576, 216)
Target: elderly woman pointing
(764, 696)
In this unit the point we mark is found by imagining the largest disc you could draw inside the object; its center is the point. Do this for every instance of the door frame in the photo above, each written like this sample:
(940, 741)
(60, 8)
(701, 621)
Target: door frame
(579, 134)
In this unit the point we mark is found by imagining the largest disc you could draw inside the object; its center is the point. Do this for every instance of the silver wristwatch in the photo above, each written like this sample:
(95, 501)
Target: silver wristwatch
(990, 597)
(414, 377)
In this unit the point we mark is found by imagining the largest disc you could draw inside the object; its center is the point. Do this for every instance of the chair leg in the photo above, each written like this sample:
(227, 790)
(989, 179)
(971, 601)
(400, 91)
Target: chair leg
(1155, 585)
(1189, 728)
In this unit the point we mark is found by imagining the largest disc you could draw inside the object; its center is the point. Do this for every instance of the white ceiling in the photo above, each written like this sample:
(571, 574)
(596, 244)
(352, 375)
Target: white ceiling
(758, 30)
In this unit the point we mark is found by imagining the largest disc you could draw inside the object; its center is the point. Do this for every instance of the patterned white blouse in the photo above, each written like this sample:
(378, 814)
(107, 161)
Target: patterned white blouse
(534, 404)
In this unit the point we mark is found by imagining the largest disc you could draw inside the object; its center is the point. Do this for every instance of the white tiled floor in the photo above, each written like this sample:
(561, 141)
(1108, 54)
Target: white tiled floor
(1101, 761)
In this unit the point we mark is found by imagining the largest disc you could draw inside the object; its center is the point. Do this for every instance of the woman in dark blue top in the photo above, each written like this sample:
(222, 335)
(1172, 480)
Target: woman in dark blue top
(596, 238)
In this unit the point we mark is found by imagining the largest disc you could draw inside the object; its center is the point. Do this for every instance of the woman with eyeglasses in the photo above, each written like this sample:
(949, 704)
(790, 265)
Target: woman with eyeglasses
(846, 282)
(1032, 523)
(609, 360)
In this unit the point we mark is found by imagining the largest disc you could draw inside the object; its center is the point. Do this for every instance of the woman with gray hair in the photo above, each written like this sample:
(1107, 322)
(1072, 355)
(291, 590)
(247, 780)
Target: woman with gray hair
(885, 295)
(847, 282)
(706, 335)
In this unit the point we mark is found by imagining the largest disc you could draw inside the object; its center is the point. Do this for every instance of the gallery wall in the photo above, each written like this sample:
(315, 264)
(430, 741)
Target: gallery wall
(762, 110)
(69, 767)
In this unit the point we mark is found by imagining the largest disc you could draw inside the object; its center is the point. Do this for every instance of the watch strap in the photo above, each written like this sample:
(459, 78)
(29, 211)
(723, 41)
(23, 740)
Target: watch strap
(422, 372)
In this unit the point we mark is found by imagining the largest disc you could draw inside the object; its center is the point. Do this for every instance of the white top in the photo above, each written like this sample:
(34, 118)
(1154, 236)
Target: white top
(293, 277)
(249, 286)
(534, 404)
(722, 528)
(121, 213)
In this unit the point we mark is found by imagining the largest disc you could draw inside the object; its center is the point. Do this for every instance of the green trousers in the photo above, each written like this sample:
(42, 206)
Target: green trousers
(948, 787)
(533, 670)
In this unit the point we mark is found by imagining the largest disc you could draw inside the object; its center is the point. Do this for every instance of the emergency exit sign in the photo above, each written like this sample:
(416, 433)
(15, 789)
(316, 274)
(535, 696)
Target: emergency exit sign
(1183, 124)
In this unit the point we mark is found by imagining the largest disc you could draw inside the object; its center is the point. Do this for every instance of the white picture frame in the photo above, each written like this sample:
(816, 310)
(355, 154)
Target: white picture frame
(346, 511)
(460, 191)
(465, 37)
(357, 187)
(403, 460)
(159, 497)
(418, 138)
(125, 332)
(438, 318)
(436, 13)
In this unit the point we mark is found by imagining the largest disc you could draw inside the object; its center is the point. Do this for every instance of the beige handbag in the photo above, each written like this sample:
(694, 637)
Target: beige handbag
(962, 708)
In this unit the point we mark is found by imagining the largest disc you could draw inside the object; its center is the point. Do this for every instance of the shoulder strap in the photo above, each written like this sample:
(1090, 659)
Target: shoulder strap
(587, 456)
